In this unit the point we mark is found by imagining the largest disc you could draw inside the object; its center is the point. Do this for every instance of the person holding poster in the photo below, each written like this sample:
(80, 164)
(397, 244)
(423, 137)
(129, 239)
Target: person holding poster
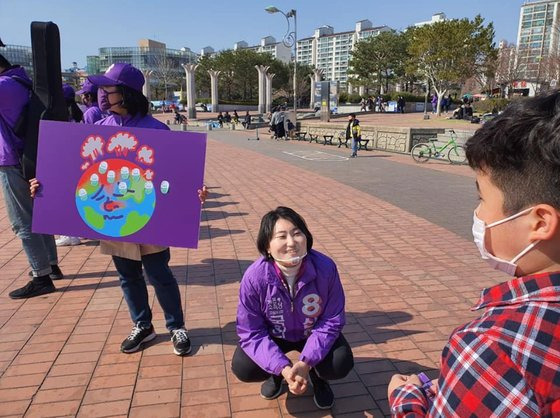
(291, 299)
(120, 93)
(40, 249)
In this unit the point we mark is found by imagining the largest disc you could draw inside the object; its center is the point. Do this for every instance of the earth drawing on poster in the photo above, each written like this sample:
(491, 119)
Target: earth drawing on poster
(116, 196)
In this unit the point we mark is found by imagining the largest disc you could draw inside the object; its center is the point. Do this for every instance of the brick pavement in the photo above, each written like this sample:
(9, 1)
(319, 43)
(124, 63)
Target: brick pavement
(408, 283)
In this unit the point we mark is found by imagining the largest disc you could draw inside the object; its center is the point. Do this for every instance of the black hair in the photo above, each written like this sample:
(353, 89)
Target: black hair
(520, 151)
(268, 222)
(75, 112)
(352, 115)
(92, 96)
(4, 63)
(134, 101)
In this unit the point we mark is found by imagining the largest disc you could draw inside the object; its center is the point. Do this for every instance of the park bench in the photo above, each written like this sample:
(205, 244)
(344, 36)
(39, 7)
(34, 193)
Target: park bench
(313, 137)
(363, 144)
(328, 139)
(300, 136)
(342, 140)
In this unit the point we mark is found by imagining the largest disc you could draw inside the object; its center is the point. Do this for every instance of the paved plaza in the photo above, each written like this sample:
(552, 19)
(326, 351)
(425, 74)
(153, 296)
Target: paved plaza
(398, 231)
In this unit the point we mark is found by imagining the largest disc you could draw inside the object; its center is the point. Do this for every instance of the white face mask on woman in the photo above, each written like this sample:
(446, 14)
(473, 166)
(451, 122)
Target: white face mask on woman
(292, 261)
(479, 231)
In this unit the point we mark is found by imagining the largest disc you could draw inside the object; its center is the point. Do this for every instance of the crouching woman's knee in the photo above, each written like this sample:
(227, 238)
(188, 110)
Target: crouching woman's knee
(338, 363)
(246, 369)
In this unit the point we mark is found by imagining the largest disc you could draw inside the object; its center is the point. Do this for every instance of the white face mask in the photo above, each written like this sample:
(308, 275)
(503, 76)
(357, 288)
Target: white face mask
(292, 261)
(479, 231)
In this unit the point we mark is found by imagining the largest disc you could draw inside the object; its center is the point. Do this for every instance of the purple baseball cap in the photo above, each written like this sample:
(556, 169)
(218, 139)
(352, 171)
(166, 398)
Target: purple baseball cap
(120, 74)
(68, 92)
(87, 87)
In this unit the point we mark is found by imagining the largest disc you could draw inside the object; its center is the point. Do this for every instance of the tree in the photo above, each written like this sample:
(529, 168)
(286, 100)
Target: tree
(379, 60)
(450, 52)
(165, 70)
(508, 67)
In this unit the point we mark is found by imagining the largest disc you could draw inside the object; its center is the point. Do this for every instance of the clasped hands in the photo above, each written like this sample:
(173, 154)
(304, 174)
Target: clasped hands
(297, 377)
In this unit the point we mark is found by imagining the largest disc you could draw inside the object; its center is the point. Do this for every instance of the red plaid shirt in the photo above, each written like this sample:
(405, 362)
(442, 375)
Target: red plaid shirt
(505, 363)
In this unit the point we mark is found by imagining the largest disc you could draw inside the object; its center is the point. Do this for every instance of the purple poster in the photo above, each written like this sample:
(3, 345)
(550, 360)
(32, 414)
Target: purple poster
(119, 183)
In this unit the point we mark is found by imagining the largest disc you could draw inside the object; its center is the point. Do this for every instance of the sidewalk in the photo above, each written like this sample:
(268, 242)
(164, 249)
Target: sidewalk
(408, 283)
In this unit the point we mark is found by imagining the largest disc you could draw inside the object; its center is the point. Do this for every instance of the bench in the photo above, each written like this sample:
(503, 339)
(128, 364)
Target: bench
(313, 137)
(342, 140)
(328, 138)
(363, 144)
(300, 136)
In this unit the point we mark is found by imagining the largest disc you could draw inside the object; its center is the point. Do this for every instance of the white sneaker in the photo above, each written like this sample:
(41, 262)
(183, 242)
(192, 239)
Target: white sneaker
(65, 241)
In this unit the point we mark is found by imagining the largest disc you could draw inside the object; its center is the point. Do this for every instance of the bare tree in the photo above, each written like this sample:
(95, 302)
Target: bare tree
(164, 69)
(510, 67)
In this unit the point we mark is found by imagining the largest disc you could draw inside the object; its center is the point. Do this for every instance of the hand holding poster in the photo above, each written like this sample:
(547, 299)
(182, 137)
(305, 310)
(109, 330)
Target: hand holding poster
(119, 183)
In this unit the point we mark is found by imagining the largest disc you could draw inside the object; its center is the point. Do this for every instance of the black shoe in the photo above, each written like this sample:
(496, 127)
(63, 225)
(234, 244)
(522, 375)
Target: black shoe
(56, 274)
(272, 387)
(323, 395)
(181, 342)
(36, 287)
(137, 337)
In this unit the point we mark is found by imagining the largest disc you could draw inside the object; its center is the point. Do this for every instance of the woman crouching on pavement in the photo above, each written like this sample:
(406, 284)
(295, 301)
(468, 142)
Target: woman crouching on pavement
(291, 299)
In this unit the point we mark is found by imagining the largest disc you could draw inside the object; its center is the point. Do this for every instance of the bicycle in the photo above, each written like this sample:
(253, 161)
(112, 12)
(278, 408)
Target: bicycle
(423, 152)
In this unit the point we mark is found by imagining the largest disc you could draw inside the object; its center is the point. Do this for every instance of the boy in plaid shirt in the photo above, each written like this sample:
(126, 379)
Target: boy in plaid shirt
(507, 362)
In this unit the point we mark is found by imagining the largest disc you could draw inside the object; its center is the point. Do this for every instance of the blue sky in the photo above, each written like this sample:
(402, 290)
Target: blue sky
(85, 25)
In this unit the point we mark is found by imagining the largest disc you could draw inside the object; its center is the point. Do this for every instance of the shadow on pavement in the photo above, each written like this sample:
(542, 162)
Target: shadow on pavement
(213, 271)
(210, 232)
(212, 204)
(217, 215)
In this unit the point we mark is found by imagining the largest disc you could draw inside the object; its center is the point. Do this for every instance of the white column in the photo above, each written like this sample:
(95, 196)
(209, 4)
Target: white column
(268, 104)
(349, 88)
(317, 76)
(146, 87)
(191, 92)
(214, 89)
(362, 91)
(312, 98)
(262, 69)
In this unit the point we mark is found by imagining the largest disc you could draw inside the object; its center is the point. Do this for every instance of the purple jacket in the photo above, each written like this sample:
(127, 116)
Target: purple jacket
(92, 114)
(266, 310)
(13, 97)
(138, 121)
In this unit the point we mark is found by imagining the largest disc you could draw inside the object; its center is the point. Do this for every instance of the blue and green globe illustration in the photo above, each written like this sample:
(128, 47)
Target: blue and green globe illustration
(114, 198)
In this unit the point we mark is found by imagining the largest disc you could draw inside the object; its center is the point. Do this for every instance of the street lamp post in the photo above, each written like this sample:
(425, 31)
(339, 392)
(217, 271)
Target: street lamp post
(290, 39)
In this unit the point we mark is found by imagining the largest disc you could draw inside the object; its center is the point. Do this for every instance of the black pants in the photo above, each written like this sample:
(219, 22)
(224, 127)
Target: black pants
(336, 364)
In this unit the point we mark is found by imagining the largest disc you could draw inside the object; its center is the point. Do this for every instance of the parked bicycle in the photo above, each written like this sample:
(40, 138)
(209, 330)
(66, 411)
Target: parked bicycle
(424, 151)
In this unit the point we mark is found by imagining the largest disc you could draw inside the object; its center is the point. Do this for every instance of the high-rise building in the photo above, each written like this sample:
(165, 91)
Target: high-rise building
(436, 17)
(268, 45)
(148, 55)
(537, 37)
(330, 51)
(19, 55)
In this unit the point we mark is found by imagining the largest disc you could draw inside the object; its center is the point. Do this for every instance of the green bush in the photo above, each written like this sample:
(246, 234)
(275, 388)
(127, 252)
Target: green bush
(490, 105)
(343, 97)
